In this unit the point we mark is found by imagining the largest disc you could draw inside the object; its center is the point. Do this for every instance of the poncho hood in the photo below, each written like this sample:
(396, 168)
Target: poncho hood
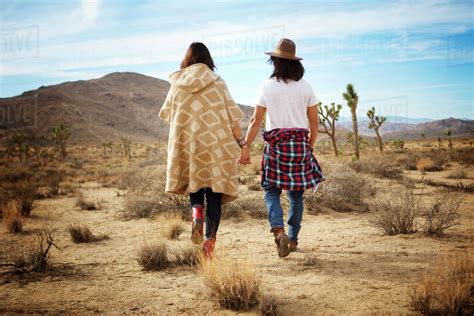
(194, 78)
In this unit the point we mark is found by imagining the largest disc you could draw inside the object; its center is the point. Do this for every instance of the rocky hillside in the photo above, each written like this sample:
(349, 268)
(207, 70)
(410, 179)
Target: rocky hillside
(99, 110)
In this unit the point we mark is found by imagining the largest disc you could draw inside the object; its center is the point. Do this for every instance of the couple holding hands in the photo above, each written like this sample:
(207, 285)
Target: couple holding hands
(205, 132)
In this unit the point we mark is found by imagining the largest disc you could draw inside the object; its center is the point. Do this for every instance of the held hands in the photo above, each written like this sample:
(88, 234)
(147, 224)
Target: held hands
(244, 156)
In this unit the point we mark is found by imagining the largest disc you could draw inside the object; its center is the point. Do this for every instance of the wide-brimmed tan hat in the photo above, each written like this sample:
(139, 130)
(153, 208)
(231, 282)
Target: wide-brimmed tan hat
(285, 49)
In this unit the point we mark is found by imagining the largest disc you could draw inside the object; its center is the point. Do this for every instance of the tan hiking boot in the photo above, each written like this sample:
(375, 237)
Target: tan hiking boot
(282, 240)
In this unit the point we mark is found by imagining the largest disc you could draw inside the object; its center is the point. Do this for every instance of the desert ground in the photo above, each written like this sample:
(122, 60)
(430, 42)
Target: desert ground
(344, 264)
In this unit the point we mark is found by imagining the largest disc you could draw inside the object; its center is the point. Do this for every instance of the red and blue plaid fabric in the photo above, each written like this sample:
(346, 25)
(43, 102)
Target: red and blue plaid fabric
(288, 162)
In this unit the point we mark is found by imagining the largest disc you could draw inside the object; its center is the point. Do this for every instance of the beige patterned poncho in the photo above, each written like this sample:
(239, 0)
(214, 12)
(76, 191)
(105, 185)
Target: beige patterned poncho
(202, 151)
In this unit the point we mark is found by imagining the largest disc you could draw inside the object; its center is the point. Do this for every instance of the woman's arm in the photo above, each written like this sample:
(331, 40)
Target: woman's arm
(254, 124)
(313, 119)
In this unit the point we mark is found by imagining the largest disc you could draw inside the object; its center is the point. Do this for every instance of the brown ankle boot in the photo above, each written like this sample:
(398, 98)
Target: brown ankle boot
(293, 245)
(281, 240)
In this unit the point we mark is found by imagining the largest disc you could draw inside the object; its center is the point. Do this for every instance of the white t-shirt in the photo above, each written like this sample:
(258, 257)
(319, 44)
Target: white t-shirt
(286, 103)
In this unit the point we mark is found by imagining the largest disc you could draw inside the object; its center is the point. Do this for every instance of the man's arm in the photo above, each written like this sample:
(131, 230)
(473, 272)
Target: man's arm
(255, 123)
(313, 124)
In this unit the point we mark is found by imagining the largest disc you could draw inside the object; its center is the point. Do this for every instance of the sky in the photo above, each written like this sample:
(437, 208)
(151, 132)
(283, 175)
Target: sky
(406, 58)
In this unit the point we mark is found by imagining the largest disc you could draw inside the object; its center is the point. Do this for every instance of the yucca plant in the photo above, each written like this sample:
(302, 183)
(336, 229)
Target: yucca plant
(375, 124)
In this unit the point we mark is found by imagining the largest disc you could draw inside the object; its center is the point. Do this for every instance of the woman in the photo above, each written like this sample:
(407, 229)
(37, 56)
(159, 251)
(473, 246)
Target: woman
(203, 138)
(291, 130)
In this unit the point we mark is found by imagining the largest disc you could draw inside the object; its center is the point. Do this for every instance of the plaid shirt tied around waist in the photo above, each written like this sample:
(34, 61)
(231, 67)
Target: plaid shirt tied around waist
(288, 162)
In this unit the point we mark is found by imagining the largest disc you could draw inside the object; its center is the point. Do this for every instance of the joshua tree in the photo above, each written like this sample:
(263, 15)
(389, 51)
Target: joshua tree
(327, 119)
(439, 142)
(423, 136)
(399, 143)
(375, 123)
(352, 100)
(17, 144)
(107, 146)
(450, 143)
(350, 140)
(127, 147)
(60, 136)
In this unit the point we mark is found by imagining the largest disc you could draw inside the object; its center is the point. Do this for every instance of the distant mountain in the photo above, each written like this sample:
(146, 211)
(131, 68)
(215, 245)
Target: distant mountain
(98, 110)
(127, 104)
(392, 119)
(432, 130)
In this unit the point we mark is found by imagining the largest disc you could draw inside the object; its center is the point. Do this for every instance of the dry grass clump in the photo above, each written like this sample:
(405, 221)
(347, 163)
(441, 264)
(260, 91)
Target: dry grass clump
(83, 204)
(36, 257)
(425, 164)
(377, 166)
(146, 196)
(459, 173)
(175, 229)
(153, 256)
(232, 210)
(442, 214)
(463, 156)
(20, 185)
(268, 306)
(396, 213)
(13, 221)
(342, 190)
(310, 260)
(447, 289)
(82, 234)
(407, 161)
(232, 285)
(187, 255)
(254, 206)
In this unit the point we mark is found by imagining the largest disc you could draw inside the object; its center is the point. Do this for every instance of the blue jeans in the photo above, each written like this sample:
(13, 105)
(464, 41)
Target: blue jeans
(213, 211)
(275, 211)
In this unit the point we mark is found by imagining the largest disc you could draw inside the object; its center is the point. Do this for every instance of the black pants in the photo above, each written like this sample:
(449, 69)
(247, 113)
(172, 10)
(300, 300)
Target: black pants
(213, 212)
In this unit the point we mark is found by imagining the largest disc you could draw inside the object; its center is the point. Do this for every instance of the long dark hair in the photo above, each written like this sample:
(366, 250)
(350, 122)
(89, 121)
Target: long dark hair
(198, 53)
(286, 69)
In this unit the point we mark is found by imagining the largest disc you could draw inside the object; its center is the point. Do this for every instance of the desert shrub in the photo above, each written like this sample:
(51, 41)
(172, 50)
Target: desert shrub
(258, 213)
(446, 290)
(342, 189)
(459, 173)
(187, 255)
(13, 221)
(82, 234)
(463, 156)
(255, 187)
(53, 179)
(427, 164)
(83, 204)
(377, 166)
(231, 284)
(407, 161)
(24, 194)
(395, 213)
(246, 179)
(232, 210)
(153, 256)
(254, 206)
(268, 306)
(146, 196)
(441, 214)
(36, 257)
(174, 230)
(311, 204)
